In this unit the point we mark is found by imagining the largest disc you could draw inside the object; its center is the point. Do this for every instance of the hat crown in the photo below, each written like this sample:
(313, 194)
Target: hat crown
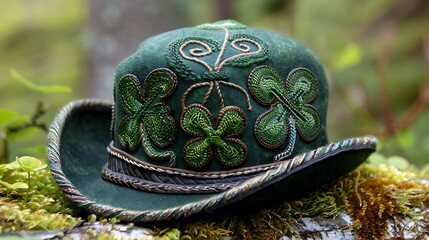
(218, 97)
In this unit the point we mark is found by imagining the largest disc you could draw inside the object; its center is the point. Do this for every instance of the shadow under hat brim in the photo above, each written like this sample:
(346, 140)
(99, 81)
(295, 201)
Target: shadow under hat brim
(80, 133)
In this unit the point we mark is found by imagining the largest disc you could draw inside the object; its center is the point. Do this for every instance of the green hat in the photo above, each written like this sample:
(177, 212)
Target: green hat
(203, 118)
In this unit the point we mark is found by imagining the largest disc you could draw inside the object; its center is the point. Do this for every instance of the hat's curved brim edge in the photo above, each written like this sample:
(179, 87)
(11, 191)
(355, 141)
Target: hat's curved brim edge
(80, 132)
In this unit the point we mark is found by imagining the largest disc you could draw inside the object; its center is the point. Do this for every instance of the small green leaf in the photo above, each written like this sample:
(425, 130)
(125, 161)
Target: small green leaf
(23, 133)
(9, 166)
(7, 116)
(30, 164)
(19, 120)
(6, 184)
(20, 185)
(398, 162)
(377, 158)
(406, 138)
(92, 218)
(3, 167)
(173, 233)
(348, 57)
(41, 89)
(17, 185)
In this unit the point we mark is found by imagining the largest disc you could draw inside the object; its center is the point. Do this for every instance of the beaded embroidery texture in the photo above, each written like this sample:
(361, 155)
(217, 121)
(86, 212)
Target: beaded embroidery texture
(147, 119)
(213, 138)
(209, 138)
(290, 109)
(146, 113)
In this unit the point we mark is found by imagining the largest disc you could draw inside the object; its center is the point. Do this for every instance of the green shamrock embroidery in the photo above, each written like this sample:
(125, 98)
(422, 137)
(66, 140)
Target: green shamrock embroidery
(146, 110)
(213, 138)
(290, 107)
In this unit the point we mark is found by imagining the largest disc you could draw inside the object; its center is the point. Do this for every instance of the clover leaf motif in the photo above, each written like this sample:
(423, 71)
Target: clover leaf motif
(145, 109)
(213, 138)
(290, 107)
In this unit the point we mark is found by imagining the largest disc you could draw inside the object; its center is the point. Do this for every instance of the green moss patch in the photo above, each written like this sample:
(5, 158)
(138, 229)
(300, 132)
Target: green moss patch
(374, 195)
(41, 206)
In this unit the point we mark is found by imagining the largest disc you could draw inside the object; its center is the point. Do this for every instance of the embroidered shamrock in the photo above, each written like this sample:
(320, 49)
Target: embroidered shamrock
(290, 106)
(145, 109)
(213, 137)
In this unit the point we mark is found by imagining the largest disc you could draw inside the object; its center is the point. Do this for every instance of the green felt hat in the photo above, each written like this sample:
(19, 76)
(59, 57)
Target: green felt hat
(203, 118)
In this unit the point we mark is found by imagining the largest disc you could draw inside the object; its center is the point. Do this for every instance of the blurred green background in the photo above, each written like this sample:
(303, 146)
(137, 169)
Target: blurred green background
(376, 55)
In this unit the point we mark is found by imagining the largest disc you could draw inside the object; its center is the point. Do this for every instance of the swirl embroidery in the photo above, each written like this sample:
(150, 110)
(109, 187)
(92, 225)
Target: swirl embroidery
(187, 54)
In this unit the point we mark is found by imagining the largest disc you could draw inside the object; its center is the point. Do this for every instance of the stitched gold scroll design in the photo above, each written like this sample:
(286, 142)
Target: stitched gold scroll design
(199, 48)
(245, 50)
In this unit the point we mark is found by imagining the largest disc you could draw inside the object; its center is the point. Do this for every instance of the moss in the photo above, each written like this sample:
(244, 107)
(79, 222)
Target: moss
(424, 172)
(42, 206)
(377, 194)
(374, 195)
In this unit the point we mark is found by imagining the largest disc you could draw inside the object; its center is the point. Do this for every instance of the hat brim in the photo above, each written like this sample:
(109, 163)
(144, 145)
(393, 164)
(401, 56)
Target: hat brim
(80, 133)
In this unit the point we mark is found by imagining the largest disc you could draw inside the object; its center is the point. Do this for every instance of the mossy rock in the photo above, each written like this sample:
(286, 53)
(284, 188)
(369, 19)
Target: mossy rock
(376, 201)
